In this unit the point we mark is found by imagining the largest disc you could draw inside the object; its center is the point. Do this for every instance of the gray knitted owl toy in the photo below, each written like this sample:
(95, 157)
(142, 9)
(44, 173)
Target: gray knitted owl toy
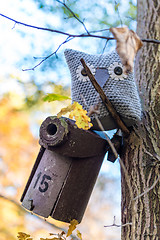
(118, 87)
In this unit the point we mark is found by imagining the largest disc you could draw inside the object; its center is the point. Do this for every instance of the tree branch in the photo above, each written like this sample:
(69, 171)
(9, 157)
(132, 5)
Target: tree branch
(105, 100)
(117, 9)
(42, 219)
(107, 138)
(73, 14)
(150, 40)
(12, 201)
(45, 58)
(60, 32)
(112, 144)
(69, 35)
(148, 189)
(117, 225)
(83, 35)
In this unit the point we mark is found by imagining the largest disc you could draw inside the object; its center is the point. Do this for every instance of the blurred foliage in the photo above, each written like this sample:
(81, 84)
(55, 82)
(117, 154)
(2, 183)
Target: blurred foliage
(35, 92)
(17, 145)
(105, 12)
(12, 220)
(52, 236)
(17, 152)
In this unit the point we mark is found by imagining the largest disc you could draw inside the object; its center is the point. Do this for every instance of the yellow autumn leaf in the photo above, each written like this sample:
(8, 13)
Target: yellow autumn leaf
(24, 236)
(65, 110)
(79, 235)
(78, 114)
(72, 227)
(60, 236)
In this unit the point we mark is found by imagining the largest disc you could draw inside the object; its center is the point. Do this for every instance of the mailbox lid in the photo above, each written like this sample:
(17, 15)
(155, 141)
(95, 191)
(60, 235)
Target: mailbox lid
(62, 135)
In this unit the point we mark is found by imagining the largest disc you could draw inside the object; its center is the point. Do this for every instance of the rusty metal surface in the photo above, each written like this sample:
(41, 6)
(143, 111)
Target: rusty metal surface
(78, 187)
(46, 183)
(76, 143)
(40, 154)
(53, 131)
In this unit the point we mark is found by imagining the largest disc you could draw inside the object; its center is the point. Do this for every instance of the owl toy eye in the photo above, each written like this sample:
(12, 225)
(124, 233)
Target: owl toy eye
(81, 73)
(116, 71)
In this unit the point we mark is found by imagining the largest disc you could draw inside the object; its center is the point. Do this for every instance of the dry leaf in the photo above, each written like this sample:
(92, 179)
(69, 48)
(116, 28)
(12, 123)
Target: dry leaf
(60, 236)
(94, 109)
(128, 44)
(65, 110)
(24, 236)
(79, 235)
(72, 227)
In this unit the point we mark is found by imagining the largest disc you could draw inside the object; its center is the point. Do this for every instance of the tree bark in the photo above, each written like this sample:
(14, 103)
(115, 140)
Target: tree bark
(141, 153)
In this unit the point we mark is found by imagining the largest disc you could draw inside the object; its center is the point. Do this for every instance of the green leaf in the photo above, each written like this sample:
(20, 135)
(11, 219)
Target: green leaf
(50, 97)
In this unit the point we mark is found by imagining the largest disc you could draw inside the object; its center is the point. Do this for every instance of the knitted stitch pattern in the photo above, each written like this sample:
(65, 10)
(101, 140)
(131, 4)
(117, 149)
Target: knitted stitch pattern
(118, 87)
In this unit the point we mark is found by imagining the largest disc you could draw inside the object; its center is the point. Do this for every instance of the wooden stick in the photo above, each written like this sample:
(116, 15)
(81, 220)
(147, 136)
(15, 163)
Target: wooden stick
(105, 100)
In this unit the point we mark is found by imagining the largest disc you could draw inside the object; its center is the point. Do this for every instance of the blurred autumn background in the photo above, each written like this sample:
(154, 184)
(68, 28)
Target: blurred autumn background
(22, 108)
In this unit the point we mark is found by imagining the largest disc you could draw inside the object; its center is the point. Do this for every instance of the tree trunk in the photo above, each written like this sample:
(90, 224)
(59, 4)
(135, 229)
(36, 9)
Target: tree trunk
(141, 155)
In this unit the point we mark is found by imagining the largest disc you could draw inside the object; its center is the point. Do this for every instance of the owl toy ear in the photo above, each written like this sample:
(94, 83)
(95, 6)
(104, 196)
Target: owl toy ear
(119, 87)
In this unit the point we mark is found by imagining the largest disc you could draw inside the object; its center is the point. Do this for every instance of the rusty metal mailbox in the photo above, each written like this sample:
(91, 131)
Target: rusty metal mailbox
(65, 170)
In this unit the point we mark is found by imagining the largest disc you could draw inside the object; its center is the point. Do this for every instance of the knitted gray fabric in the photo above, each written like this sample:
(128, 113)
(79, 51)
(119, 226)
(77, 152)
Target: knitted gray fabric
(118, 87)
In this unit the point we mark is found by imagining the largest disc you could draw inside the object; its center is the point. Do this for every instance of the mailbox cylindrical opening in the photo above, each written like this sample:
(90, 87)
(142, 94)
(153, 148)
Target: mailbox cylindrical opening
(51, 129)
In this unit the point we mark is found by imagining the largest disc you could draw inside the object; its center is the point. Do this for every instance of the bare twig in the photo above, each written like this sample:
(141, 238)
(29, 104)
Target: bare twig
(12, 201)
(155, 156)
(117, 225)
(16, 203)
(45, 58)
(148, 189)
(101, 30)
(105, 100)
(83, 35)
(127, 181)
(150, 40)
(107, 138)
(111, 144)
(69, 35)
(101, 55)
(73, 14)
(133, 204)
(117, 9)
